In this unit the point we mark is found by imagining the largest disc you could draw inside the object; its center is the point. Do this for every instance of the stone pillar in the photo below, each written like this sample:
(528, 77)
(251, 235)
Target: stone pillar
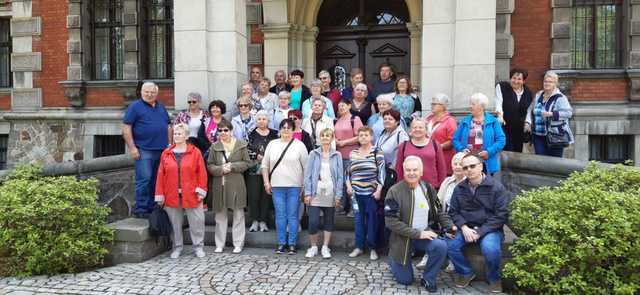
(475, 51)
(561, 34)
(504, 39)
(191, 54)
(227, 48)
(581, 147)
(438, 29)
(415, 34)
(636, 150)
(74, 88)
(309, 53)
(276, 48)
(130, 22)
(23, 60)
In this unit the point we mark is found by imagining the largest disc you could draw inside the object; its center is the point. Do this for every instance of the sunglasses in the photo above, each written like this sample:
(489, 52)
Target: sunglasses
(223, 130)
(472, 166)
(243, 105)
(192, 102)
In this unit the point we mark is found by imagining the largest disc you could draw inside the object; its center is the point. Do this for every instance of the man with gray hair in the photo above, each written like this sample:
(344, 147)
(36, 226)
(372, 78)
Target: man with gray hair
(414, 215)
(281, 84)
(147, 132)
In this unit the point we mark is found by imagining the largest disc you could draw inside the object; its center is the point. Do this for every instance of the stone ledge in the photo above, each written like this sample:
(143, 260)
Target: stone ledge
(26, 99)
(133, 243)
(131, 230)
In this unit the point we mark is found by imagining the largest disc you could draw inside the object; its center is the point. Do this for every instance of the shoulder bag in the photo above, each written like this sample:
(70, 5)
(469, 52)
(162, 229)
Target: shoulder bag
(280, 159)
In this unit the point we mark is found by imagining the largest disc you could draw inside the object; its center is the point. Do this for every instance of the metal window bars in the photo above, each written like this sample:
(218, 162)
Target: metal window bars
(107, 39)
(596, 34)
(159, 43)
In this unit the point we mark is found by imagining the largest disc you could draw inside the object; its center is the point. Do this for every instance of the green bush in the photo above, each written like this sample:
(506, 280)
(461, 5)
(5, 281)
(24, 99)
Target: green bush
(50, 225)
(582, 237)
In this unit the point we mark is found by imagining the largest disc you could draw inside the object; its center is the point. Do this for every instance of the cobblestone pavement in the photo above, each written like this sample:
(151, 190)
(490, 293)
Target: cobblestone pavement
(255, 271)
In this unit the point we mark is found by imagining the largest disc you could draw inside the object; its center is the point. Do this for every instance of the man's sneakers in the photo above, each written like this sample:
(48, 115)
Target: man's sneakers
(431, 287)
(464, 281)
(254, 226)
(312, 252)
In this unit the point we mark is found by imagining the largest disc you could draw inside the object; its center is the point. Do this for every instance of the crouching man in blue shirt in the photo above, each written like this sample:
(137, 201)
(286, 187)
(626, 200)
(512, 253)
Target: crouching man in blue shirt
(147, 131)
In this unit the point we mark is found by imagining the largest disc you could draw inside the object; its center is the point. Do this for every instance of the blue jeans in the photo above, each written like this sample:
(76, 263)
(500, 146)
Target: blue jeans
(541, 148)
(146, 174)
(286, 201)
(437, 251)
(366, 220)
(491, 247)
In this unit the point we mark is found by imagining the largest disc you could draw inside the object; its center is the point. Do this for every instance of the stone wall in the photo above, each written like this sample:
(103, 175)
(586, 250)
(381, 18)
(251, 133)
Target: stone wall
(45, 142)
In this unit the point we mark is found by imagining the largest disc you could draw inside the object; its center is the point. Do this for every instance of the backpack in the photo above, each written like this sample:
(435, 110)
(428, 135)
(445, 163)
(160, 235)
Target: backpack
(159, 223)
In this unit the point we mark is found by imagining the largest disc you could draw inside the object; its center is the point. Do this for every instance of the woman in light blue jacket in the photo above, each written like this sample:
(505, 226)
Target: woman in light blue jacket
(323, 181)
(480, 133)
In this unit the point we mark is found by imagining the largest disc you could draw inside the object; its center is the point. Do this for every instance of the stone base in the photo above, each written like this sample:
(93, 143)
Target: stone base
(133, 243)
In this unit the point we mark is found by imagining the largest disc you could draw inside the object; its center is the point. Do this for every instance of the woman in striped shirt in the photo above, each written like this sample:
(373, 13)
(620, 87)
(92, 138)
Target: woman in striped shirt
(364, 184)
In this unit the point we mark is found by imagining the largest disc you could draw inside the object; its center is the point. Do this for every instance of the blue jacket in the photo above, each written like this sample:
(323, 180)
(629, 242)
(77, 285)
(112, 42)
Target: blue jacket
(312, 172)
(487, 208)
(493, 139)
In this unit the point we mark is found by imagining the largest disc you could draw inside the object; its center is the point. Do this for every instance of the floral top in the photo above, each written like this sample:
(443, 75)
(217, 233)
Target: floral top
(404, 104)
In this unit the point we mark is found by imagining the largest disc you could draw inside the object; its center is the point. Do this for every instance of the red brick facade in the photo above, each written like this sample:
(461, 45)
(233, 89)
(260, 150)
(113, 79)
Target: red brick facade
(600, 90)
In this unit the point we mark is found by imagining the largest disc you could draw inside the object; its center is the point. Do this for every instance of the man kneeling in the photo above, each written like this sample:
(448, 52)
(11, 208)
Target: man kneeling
(413, 213)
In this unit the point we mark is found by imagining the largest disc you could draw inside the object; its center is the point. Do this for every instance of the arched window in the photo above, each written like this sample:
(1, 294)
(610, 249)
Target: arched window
(362, 13)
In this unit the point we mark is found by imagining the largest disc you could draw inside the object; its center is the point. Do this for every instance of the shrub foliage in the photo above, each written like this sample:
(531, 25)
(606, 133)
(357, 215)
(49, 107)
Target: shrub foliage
(582, 237)
(50, 225)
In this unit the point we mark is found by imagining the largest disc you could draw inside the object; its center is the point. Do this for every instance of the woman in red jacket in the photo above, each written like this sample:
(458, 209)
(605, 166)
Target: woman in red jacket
(181, 186)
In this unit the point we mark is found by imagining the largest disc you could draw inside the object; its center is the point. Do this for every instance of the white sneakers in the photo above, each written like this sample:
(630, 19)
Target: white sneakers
(356, 252)
(237, 250)
(373, 255)
(312, 252)
(326, 252)
(199, 253)
(423, 263)
(217, 250)
(175, 254)
(254, 226)
(263, 226)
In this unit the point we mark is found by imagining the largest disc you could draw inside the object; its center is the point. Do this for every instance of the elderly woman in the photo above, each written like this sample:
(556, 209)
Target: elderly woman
(299, 133)
(181, 186)
(217, 108)
(283, 168)
(195, 118)
(549, 112)
(441, 126)
(246, 90)
(323, 180)
(316, 92)
(228, 160)
(267, 100)
(444, 195)
(332, 93)
(480, 133)
(359, 105)
(346, 137)
(393, 135)
(244, 122)
(259, 201)
(317, 121)
(406, 102)
(428, 150)
(513, 98)
(282, 110)
(376, 121)
(364, 181)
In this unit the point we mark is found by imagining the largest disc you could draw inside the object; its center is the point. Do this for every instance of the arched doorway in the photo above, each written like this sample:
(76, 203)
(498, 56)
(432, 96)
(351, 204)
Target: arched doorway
(362, 34)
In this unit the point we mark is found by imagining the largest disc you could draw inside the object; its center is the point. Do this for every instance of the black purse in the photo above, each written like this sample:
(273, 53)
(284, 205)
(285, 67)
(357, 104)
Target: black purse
(557, 137)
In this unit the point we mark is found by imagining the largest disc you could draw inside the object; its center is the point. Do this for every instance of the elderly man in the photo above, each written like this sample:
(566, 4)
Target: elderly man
(479, 207)
(281, 83)
(414, 215)
(256, 78)
(386, 82)
(147, 132)
(328, 91)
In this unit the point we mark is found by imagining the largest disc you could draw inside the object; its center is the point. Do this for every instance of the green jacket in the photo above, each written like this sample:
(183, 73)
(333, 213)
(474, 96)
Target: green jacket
(398, 211)
(233, 194)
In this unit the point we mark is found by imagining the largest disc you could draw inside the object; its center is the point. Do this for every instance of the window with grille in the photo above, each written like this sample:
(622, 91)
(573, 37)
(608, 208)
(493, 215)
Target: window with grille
(5, 54)
(159, 39)
(107, 39)
(108, 145)
(596, 34)
(610, 148)
(4, 144)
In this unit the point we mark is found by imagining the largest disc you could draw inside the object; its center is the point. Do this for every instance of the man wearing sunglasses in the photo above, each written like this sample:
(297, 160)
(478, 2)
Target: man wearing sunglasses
(479, 208)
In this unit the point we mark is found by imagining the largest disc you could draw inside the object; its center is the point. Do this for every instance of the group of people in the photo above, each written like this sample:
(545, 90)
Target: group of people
(328, 151)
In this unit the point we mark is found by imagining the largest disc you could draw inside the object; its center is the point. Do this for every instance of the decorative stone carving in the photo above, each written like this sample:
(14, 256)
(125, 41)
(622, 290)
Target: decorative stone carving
(26, 62)
(129, 91)
(634, 85)
(26, 26)
(75, 92)
(26, 99)
(566, 85)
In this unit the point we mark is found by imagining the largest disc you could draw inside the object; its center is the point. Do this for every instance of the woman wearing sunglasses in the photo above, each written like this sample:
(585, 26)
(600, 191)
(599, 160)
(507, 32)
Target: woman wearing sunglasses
(227, 162)
(243, 123)
(195, 117)
(298, 132)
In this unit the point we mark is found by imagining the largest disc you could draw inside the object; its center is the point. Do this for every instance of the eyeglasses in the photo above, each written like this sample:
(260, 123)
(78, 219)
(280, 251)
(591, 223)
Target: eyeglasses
(243, 105)
(223, 130)
(472, 166)
(192, 101)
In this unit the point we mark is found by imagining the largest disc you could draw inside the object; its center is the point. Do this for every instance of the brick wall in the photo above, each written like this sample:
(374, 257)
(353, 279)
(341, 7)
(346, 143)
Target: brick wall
(53, 46)
(530, 27)
(599, 90)
(5, 102)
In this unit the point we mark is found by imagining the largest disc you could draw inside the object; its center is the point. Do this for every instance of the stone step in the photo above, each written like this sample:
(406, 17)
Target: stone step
(341, 222)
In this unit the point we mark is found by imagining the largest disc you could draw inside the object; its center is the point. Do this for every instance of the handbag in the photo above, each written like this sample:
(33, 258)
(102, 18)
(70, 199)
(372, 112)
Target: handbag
(559, 138)
(159, 223)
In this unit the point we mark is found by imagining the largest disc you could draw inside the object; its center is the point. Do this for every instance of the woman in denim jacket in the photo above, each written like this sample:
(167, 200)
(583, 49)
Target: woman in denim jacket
(550, 109)
(323, 180)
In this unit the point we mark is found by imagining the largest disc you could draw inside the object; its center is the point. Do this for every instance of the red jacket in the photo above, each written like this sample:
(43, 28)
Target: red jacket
(193, 178)
(443, 132)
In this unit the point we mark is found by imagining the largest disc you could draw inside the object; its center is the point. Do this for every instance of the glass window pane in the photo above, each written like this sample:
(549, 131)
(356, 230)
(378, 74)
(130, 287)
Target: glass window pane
(102, 49)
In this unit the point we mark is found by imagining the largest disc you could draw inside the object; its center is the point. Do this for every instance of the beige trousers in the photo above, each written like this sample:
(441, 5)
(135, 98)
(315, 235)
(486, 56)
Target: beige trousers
(237, 229)
(195, 217)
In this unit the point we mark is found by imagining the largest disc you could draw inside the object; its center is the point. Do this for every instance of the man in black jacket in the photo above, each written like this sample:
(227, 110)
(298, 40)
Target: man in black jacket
(479, 208)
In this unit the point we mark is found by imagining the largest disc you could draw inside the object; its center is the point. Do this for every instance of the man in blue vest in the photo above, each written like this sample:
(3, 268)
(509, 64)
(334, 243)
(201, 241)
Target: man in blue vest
(147, 132)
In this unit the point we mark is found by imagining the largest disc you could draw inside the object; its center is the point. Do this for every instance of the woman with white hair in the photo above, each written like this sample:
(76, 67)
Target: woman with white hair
(268, 101)
(244, 122)
(480, 133)
(360, 107)
(550, 112)
(441, 126)
(385, 102)
(316, 92)
(195, 117)
(259, 201)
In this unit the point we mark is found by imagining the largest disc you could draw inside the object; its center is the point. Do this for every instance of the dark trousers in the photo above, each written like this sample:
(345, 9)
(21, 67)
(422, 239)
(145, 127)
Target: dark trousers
(541, 148)
(314, 219)
(146, 173)
(366, 220)
(437, 251)
(259, 202)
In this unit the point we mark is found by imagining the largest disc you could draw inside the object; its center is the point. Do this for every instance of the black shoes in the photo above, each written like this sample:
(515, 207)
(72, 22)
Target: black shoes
(280, 249)
(431, 288)
(292, 250)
